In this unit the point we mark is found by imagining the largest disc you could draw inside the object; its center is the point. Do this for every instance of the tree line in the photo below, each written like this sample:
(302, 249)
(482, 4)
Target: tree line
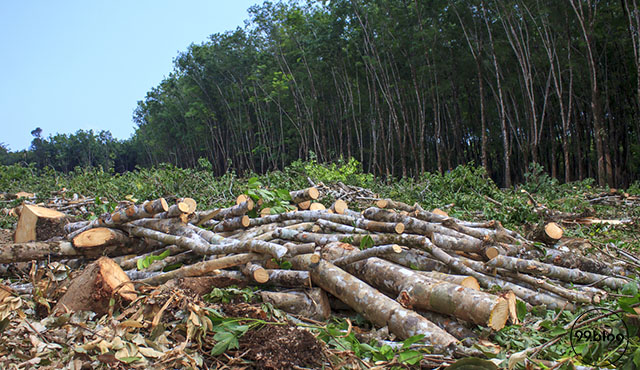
(406, 86)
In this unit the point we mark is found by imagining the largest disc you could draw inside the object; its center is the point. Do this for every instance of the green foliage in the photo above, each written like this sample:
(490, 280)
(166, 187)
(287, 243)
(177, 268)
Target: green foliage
(226, 295)
(145, 262)
(345, 171)
(335, 336)
(277, 200)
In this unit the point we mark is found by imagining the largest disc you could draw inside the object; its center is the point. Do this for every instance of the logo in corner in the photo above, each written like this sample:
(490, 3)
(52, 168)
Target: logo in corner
(599, 337)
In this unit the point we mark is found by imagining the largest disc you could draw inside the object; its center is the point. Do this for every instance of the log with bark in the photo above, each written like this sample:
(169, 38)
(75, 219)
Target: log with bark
(95, 287)
(38, 224)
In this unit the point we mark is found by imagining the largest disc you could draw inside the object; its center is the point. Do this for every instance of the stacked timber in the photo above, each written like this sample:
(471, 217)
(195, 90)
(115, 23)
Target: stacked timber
(398, 265)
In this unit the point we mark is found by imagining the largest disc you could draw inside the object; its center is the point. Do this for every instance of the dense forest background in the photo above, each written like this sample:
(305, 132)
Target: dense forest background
(403, 86)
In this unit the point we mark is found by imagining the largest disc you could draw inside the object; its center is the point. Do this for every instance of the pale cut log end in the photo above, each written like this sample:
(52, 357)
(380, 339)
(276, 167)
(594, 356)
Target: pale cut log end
(265, 212)
(399, 228)
(96, 237)
(440, 212)
(191, 203)
(317, 207)
(397, 248)
(315, 258)
(553, 231)
(304, 205)
(183, 207)
(382, 203)
(164, 206)
(246, 221)
(499, 315)
(250, 204)
(313, 193)
(261, 275)
(492, 252)
(241, 199)
(471, 283)
(340, 206)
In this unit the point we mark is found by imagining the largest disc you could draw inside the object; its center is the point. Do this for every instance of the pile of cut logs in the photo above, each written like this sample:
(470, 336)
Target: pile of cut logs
(400, 266)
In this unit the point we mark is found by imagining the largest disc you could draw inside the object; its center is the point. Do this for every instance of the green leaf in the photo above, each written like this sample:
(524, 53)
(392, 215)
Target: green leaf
(521, 310)
(366, 242)
(411, 340)
(410, 357)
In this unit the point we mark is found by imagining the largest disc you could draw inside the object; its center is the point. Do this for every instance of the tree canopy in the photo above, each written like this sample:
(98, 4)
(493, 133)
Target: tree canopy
(402, 86)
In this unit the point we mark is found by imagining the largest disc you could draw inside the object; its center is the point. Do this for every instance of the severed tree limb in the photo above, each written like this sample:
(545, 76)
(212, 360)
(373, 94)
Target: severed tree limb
(203, 268)
(373, 305)
(423, 292)
(255, 273)
(240, 222)
(466, 281)
(24, 252)
(341, 228)
(377, 251)
(130, 262)
(417, 260)
(100, 237)
(556, 272)
(575, 261)
(474, 268)
(294, 249)
(571, 295)
(303, 195)
(223, 213)
(441, 236)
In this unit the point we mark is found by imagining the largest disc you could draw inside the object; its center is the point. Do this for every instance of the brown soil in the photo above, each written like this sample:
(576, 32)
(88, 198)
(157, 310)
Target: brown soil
(281, 347)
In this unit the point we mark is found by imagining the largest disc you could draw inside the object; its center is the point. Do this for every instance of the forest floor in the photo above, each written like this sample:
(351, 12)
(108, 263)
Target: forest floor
(228, 326)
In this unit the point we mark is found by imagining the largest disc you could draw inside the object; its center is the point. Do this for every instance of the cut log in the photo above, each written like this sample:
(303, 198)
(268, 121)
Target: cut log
(93, 289)
(243, 198)
(373, 305)
(317, 207)
(575, 261)
(341, 228)
(312, 303)
(441, 236)
(392, 204)
(203, 268)
(440, 212)
(223, 213)
(187, 205)
(466, 281)
(100, 237)
(424, 292)
(265, 212)
(256, 273)
(304, 205)
(556, 272)
(377, 251)
(235, 223)
(305, 194)
(474, 268)
(549, 233)
(38, 223)
(55, 250)
(339, 206)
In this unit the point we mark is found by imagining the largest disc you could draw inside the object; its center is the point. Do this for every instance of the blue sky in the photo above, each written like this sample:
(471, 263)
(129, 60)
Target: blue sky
(70, 65)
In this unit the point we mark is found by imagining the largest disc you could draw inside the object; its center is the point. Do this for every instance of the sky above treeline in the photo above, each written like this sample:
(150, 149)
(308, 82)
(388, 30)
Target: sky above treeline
(71, 65)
